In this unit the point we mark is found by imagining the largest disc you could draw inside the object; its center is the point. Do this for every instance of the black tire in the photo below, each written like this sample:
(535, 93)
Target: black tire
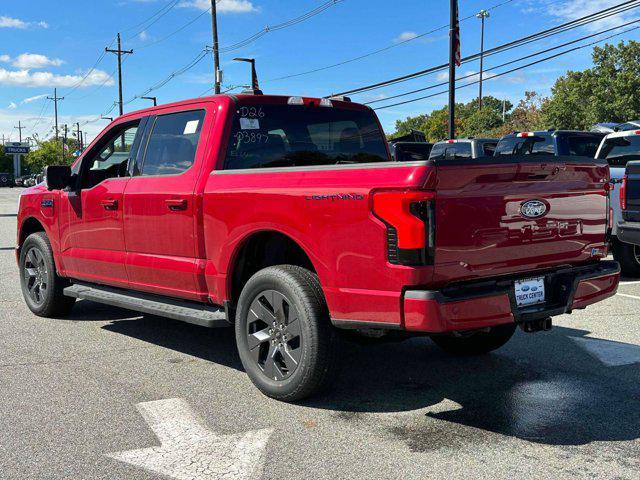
(266, 329)
(628, 256)
(475, 343)
(40, 283)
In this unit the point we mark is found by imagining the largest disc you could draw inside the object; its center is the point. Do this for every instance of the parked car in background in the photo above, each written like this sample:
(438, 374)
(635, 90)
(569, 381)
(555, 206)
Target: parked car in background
(628, 126)
(605, 127)
(6, 180)
(618, 149)
(554, 142)
(629, 223)
(410, 151)
(463, 148)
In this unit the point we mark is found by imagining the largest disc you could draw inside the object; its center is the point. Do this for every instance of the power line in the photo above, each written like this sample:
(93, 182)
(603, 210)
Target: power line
(596, 16)
(166, 37)
(289, 23)
(535, 54)
(380, 50)
(500, 74)
(153, 19)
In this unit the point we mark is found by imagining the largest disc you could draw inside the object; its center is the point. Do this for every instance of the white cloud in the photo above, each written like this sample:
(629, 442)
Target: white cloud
(25, 78)
(406, 36)
(143, 36)
(34, 98)
(567, 10)
(223, 6)
(10, 22)
(35, 60)
(12, 106)
(5, 58)
(442, 76)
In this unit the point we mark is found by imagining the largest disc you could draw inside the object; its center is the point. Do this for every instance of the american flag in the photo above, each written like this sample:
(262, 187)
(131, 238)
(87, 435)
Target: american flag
(456, 38)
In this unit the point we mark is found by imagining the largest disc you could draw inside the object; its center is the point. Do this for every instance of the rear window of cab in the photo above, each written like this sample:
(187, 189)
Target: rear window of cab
(268, 135)
(617, 151)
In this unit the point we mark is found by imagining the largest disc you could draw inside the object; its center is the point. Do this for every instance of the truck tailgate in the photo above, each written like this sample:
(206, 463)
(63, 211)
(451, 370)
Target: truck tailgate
(521, 214)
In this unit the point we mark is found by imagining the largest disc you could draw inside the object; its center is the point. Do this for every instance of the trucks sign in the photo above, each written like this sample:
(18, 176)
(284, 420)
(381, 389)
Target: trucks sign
(15, 147)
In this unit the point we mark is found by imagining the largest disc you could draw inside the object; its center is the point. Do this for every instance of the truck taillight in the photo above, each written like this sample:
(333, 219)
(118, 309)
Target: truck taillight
(410, 219)
(623, 193)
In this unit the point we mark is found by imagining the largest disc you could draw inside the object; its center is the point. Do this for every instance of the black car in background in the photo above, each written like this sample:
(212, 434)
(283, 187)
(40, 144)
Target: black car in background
(410, 151)
(6, 180)
(554, 142)
(629, 223)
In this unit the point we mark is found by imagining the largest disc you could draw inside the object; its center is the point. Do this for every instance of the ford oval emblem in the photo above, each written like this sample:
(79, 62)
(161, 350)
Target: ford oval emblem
(533, 209)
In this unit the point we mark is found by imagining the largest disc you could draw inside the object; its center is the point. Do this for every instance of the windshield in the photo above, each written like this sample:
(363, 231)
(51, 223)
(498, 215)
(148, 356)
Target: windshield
(534, 145)
(265, 136)
(620, 150)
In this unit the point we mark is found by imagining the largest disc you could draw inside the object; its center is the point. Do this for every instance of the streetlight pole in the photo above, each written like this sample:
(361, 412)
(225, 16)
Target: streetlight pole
(482, 14)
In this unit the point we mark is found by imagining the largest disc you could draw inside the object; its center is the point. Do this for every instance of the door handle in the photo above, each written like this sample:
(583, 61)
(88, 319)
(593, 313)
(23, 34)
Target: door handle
(109, 204)
(175, 204)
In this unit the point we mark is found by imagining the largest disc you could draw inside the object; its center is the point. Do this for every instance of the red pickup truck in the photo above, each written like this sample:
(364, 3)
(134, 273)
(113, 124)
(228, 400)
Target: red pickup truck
(286, 217)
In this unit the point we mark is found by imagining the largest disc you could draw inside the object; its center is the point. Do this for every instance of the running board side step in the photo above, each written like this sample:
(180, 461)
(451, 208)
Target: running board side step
(176, 309)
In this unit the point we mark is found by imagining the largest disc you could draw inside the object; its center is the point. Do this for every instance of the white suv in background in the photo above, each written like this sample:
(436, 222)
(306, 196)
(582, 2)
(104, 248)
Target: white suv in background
(618, 148)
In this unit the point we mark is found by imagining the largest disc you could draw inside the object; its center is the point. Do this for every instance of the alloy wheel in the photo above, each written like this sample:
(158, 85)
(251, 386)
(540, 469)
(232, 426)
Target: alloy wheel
(35, 277)
(274, 335)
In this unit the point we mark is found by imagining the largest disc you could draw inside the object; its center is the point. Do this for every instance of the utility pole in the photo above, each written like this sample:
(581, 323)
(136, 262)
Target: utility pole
(119, 52)
(454, 49)
(56, 99)
(64, 139)
(19, 128)
(154, 99)
(504, 110)
(216, 55)
(78, 136)
(482, 14)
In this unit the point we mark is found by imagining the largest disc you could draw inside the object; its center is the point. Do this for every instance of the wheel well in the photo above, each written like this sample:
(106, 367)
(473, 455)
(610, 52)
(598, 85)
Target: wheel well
(30, 225)
(262, 250)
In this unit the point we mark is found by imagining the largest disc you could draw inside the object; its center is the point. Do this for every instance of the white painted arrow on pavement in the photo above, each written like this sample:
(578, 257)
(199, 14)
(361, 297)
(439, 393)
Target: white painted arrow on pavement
(190, 451)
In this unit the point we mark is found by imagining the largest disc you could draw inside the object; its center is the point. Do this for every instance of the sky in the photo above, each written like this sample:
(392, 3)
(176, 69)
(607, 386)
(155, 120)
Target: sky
(47, 44)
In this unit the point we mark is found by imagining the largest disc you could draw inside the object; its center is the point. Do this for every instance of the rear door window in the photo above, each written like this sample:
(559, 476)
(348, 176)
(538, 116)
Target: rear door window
(172, 145)
(620, 150)
(450, 151)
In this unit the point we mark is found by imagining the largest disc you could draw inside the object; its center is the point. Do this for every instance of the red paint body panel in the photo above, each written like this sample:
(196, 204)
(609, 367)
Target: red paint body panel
(595, 290)
(433, 317)
(192, 252)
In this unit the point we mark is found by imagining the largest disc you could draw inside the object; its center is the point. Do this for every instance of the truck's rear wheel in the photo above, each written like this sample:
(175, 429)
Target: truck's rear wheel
(629, 257)
(285, 339)
(475, 343)
(41, 285)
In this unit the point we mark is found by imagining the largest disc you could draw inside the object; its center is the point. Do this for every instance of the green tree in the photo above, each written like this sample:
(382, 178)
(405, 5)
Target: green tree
(49, 152)
(6, 161)
(527, 115)
(404, 127)
(607, 92)
(482, 123)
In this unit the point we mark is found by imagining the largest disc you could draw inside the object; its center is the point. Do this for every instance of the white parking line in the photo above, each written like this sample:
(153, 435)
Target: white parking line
(628, 296)
(612, 354)
(189, 450)
(630, 282)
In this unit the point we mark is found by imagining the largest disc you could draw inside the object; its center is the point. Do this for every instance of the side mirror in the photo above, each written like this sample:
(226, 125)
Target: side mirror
(57, 177)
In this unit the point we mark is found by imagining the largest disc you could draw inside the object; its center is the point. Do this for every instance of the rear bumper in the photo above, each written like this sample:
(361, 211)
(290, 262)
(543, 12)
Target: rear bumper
(489, 303)
(629, 232)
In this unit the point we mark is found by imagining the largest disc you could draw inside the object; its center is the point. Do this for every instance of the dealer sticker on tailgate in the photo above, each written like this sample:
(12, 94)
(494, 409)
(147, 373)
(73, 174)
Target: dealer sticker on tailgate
(530, 291)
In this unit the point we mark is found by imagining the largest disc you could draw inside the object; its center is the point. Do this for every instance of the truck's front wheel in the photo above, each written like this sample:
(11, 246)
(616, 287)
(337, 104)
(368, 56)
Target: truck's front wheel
(285, 339)
(41, 285)
(475, 343)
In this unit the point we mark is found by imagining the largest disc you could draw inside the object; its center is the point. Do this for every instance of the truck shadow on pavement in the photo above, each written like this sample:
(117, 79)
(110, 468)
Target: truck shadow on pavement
(543, 388)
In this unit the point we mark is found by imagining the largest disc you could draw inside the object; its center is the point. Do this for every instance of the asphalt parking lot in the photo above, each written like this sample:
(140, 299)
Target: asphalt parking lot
(105, 393)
